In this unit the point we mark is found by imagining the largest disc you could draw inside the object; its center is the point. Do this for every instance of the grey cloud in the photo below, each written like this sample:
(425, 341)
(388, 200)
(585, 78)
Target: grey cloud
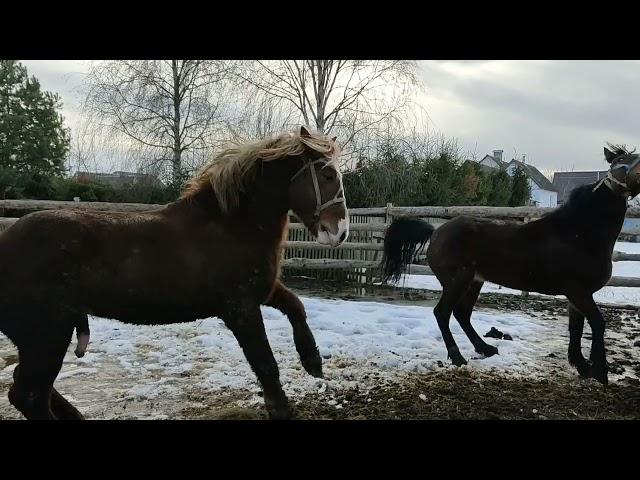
(560, 113)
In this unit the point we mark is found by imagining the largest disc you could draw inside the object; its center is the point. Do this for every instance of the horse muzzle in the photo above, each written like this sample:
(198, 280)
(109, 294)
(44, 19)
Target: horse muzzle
(330, 233)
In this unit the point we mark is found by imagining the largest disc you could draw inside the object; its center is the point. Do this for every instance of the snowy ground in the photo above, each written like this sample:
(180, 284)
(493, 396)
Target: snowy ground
(158, 371)
(607, 295)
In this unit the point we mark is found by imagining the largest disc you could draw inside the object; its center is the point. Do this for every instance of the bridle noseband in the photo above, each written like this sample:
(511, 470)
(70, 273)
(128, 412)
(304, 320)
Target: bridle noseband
(337, 198)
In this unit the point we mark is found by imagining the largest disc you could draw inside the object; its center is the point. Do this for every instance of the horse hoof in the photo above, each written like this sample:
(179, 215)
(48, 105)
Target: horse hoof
(70, 415)
(602, 377)
(584, 369)
(458, 360)
(281, 414)
(488, 350)
(313, 366)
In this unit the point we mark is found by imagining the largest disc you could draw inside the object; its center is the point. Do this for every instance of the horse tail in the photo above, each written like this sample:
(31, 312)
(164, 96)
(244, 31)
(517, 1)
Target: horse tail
(404, 239)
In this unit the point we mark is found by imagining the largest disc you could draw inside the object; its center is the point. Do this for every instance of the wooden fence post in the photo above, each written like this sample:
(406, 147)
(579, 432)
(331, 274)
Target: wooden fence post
(387, 213)
(525, 294)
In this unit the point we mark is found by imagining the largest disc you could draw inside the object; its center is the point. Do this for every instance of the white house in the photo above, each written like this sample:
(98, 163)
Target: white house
(543, 192)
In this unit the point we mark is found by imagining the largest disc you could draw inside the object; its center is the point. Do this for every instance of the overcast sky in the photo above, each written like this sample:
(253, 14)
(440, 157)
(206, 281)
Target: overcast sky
(558, 113)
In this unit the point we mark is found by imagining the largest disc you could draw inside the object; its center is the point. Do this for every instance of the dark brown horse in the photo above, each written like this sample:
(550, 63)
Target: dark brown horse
(214, 252)
(566, 252)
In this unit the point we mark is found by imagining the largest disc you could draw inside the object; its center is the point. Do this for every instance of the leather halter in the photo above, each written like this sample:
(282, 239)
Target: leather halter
(337, 198)
(609, 179)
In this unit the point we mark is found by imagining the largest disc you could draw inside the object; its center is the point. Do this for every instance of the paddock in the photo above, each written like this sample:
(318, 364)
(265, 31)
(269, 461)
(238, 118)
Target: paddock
(382, 352)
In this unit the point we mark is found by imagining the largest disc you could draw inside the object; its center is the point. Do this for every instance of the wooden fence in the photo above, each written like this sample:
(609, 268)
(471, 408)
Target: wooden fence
(359, 258)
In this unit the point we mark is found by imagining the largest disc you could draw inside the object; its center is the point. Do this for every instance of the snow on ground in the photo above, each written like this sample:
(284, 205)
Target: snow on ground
(355, 338)
(149, 371)
(610, 295)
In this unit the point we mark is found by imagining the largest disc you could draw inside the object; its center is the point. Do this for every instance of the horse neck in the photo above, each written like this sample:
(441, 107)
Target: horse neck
(602, 214)
(258, 206)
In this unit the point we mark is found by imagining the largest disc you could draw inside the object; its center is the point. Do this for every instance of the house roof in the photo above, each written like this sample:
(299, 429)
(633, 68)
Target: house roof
(565, 182)
(534, 174)
(483, 168)
(497, 162)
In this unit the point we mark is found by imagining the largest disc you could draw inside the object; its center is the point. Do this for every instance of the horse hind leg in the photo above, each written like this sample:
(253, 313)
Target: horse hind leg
(462, 311)
(62, 409)
(451, 293)
(32, 389)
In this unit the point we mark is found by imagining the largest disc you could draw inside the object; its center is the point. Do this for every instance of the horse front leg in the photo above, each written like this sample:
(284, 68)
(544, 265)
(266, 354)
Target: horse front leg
(585, 304)
(288, 303)
(576, 325)
(248, 327)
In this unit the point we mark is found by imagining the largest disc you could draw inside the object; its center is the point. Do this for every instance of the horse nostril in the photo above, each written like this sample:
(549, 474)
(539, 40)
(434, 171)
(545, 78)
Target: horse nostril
(343, 236)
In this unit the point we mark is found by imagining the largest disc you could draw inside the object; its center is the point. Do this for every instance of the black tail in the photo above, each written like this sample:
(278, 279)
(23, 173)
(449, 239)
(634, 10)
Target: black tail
(405, 238)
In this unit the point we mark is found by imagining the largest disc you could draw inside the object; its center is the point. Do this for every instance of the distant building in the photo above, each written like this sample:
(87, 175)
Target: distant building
(565, 182)
(543, 192)
(117, 179)
(493, 161)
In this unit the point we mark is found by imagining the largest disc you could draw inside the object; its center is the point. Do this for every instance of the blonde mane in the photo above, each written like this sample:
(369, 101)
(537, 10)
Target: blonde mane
(230, 172)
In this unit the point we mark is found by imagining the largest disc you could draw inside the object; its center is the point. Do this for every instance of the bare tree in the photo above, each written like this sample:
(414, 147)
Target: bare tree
(257, 116)
(344, 97)
(93, 150)
(165, 109)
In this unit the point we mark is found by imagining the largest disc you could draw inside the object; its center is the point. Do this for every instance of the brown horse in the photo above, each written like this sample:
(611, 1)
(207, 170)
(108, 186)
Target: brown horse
(214, 252)
(566, 252)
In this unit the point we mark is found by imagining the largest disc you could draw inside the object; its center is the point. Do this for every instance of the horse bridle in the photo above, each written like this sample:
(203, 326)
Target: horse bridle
(609, 178)
(337, 198)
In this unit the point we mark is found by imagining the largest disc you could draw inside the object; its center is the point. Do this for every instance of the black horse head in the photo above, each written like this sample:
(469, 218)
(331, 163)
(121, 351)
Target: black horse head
(624, 173)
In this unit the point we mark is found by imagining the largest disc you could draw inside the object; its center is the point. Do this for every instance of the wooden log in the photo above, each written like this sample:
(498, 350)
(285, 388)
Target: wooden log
(344, 246)
(6, 222)
(95, 206)
(368, 211)
(630, 230)
(329, 263)
(625, 257)
(624, 282)
(426, 211)
(356, 227)
(483, 211)
(353, 227)
(514, 213)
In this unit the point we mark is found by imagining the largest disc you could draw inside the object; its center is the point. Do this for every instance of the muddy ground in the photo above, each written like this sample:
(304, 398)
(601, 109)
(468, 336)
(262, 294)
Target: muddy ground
(458, 395)
(444, 393)
(465, 393)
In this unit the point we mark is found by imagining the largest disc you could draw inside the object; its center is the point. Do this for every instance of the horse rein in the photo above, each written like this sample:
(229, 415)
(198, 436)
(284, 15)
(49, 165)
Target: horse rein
(337, 198)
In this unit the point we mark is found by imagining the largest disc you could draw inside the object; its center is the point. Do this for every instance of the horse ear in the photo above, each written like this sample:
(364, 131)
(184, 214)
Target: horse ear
(609, 155)
(304, 132)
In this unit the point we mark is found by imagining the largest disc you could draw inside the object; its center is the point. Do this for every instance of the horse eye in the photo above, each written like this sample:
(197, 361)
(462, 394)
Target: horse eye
(328, 173)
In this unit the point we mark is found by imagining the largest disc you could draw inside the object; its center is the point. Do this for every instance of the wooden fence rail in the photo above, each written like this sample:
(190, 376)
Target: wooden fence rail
(437, 212)
(368, 226)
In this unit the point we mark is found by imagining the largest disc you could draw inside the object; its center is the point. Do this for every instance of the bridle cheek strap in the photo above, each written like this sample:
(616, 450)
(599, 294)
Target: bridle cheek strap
(337, 198)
